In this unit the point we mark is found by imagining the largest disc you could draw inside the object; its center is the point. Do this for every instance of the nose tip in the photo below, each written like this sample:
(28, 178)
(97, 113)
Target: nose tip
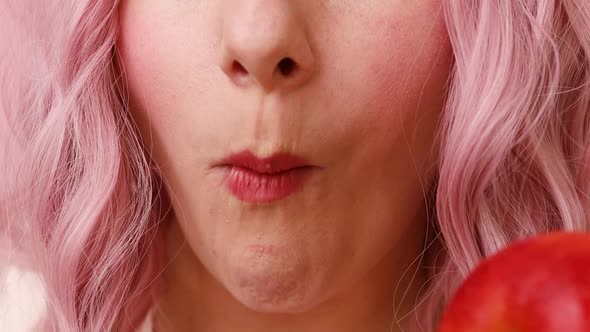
(264, 43)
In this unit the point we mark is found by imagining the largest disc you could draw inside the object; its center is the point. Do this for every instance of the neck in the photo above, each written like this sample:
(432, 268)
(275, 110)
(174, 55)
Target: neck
(193, 300)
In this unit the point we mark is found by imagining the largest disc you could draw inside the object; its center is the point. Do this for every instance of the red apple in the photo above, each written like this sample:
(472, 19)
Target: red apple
(541, 284)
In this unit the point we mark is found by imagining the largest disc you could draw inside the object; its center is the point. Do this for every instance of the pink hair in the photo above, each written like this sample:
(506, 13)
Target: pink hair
(84, 192)
(516, 132)
(81, 203)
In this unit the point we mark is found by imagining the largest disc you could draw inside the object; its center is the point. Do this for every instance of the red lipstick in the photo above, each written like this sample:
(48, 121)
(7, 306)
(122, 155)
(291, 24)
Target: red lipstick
(264, 180)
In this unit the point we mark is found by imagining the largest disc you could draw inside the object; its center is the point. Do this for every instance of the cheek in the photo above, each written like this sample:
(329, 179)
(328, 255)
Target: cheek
(403, 74)
(410, 58)
(383, 113)
(166, 72)
(142, 59)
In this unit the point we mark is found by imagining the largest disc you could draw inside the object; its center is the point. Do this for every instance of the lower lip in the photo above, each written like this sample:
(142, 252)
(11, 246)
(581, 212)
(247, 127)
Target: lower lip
(250, 186)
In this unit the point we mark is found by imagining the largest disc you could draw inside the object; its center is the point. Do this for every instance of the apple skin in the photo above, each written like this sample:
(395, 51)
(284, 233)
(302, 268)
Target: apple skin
(541, 284)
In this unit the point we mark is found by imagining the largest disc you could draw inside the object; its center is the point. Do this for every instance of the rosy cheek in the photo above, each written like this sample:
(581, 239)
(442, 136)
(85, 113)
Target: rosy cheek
(136, 53)
(409, 61)
(405, 72)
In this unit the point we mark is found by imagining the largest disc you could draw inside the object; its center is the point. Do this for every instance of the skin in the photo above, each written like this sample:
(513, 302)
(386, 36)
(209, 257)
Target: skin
(362, 104)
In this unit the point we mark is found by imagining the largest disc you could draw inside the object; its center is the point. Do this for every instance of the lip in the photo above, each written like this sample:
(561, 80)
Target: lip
(264, 180)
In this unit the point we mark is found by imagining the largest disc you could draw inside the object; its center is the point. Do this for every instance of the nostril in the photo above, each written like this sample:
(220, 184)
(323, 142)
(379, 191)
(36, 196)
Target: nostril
(238, 68)
(287, 66)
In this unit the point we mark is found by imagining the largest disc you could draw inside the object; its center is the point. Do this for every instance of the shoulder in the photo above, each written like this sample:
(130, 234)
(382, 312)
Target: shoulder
(22, 299)
(147, 323)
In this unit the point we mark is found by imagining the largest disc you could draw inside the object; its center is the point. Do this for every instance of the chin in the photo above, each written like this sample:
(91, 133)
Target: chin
(274, 282)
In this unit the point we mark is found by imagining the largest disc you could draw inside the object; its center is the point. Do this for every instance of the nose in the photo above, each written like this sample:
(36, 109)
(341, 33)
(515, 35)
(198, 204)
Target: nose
(264, 42)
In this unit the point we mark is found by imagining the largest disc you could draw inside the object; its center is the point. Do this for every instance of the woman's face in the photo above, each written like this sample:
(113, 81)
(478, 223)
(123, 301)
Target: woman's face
(350, 89)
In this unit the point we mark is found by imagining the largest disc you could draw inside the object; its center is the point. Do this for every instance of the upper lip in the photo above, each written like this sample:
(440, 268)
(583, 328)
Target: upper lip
(276, 163)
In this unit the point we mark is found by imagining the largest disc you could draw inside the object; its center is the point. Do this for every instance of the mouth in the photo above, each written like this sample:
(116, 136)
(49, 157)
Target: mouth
(264, 180)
